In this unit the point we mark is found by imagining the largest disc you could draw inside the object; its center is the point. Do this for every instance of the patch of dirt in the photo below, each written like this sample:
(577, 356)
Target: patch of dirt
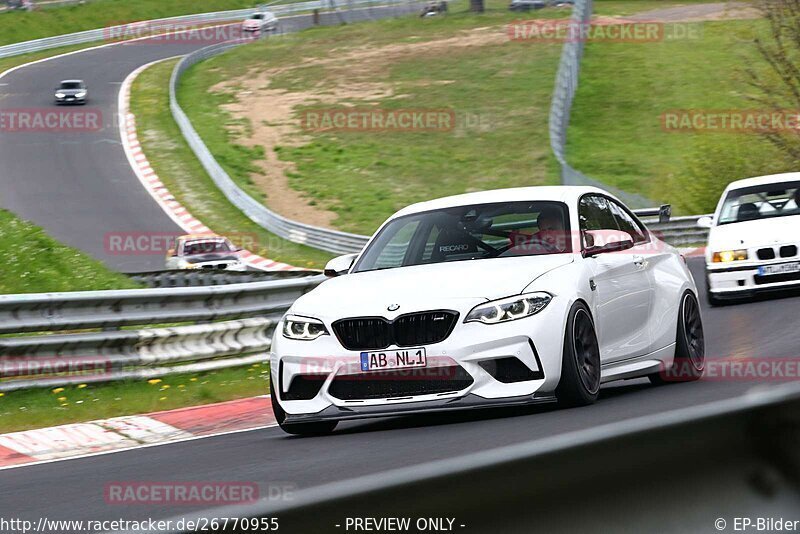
(700, 13)
(349, 75)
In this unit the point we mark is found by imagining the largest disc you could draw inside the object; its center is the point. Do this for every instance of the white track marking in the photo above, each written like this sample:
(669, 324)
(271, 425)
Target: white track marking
(141, 446)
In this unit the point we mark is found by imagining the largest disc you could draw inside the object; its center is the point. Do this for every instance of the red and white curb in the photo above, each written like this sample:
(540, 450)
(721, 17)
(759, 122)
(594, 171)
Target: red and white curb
(149, 179)
(135, 431)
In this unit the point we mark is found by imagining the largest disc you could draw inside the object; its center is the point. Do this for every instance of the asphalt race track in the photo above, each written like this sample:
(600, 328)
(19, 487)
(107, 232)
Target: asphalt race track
(79, 185)
(73, 489)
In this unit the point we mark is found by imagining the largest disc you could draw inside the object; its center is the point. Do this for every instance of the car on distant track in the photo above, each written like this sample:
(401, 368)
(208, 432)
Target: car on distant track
(71, 92)
(493, 298)
(526, 5)
(754, 238)
(262, 21)
(204, 251)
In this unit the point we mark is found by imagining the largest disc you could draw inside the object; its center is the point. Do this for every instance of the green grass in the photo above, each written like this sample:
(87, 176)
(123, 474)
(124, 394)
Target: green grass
(17, 26)
(365, 176)
(181, 172)
(38, 408)
(33, 262)
(499, 92)
(616, 134)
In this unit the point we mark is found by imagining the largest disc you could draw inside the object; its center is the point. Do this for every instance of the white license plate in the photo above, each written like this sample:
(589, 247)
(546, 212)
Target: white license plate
(393, 359)
(783, 268)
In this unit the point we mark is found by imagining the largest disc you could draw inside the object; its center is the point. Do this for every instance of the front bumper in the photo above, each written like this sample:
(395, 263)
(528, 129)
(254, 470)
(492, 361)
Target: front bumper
(471, 348)
(744, 280)
(467, 402)
(70, 100)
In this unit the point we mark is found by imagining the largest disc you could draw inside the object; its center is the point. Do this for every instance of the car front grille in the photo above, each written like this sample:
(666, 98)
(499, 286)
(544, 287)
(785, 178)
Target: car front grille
(766, 254)
(776, 278)
(400, 383)
(375, 333)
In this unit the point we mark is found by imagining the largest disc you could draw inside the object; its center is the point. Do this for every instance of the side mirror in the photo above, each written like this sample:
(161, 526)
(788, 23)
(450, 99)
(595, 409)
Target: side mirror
(603, 241)
(705, 222)
(339, 265)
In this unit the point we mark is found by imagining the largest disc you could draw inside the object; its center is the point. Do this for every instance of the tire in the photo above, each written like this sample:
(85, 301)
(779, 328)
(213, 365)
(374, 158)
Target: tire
(690, 357)
(580, 363)
(301, 429)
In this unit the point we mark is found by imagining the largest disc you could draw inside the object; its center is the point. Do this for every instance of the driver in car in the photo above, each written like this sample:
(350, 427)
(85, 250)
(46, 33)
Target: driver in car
(549, 239)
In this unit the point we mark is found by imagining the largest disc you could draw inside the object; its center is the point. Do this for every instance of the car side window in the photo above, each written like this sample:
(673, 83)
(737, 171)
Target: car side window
(595, 214)
(626, 223)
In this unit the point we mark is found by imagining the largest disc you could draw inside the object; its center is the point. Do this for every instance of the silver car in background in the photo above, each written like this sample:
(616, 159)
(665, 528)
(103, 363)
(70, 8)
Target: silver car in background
(71, 92)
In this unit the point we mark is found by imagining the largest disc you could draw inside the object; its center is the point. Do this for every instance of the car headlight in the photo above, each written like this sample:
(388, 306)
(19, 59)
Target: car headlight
(183, 264)
(509, 309)
(303, 328)
(60, 95)
(81, 94)
(724, 256)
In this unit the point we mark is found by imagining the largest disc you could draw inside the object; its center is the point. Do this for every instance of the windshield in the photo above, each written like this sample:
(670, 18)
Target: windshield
(71, 85)
(761, 202)
(257, 17)
(471, 232)
(206, 247)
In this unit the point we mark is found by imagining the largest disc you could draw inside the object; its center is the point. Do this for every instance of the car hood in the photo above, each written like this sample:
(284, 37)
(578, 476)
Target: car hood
(423, 287)
(748, 234)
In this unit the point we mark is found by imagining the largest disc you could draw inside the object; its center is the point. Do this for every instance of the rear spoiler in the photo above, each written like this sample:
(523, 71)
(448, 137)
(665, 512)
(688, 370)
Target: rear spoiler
(663, 212)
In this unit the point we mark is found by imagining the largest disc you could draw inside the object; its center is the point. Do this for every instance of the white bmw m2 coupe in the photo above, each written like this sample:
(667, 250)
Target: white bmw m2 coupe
(495, 298)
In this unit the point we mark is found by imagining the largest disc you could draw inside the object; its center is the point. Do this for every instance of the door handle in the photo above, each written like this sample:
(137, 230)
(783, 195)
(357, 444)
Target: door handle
(638, 261)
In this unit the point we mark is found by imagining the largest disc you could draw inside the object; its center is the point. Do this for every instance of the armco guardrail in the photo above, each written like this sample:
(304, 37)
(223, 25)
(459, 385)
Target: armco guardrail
(115, 308)
(247, 315)
(100, 34)
(679, 230)
(704, 466)
(203, 277)
(170, 24)
(60, 360)
(297, 232)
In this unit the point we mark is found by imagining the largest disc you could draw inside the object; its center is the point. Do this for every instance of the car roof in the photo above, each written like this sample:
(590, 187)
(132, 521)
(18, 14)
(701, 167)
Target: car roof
(554, 193)
(71, 81)
(763, 180)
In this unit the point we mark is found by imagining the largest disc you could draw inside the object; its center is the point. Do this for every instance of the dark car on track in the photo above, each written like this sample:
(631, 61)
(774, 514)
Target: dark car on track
(526, 5)
(71, 92)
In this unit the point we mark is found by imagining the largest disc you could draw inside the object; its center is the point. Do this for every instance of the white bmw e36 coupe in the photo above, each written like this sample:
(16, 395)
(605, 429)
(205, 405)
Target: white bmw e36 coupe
(494, 298)
(753, 238)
